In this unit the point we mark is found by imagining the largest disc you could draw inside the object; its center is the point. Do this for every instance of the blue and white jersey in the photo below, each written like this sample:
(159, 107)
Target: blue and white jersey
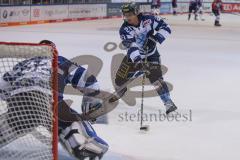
(35, 74)
(77, 76)
(134, 37)
(28, 75)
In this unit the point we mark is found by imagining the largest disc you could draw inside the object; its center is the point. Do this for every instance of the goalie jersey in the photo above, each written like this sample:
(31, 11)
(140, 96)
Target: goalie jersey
(75, 75)
(35, 74)
(27, 75)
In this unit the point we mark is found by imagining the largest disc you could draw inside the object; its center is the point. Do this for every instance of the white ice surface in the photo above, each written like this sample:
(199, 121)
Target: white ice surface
(204, 67)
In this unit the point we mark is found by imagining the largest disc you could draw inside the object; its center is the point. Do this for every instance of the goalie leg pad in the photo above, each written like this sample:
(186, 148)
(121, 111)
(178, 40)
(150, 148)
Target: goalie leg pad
(81, 141)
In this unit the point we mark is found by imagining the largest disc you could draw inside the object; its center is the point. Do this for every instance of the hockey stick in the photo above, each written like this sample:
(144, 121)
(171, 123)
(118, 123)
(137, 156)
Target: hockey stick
(109, 101)
(143, 127)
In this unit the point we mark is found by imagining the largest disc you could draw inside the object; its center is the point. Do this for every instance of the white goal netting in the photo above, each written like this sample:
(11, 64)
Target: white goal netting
(27, 122)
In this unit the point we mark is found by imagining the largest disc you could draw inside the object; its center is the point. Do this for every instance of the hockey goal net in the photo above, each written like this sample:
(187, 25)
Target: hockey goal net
(28, 102)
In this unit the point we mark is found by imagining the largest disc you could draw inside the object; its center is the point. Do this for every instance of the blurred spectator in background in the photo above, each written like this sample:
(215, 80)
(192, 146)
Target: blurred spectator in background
(174, 7)
(156, 4)
(36, 1)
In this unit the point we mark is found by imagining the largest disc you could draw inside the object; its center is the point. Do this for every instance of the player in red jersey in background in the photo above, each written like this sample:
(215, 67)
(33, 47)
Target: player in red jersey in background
(217, 7)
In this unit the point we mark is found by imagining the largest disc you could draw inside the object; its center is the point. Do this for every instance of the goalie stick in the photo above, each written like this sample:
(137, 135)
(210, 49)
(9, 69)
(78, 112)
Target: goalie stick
(109, 100)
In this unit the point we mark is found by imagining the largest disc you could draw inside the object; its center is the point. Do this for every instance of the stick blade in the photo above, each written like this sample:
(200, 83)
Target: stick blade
(144, 128)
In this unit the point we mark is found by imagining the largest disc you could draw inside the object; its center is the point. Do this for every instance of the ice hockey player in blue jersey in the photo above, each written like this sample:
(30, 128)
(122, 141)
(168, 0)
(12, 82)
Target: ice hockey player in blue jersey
(77, 136)
(139, 34)
(195, 7)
